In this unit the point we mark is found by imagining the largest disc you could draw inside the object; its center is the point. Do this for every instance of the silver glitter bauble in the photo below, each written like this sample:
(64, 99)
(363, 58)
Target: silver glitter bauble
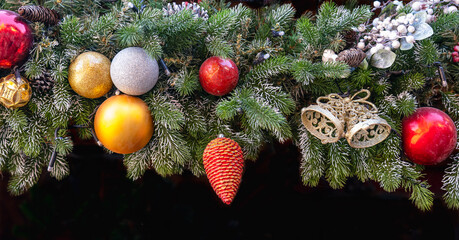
(197, 11)
(133, 71)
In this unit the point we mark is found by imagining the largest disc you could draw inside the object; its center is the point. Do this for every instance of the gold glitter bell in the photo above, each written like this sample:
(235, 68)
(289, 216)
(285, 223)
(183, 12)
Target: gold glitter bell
(15, 91)
(334, 114)
(364, 128)
(326, 119)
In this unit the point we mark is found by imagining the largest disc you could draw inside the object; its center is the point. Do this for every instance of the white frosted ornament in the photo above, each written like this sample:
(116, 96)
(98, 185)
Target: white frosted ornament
(133, 71)
(411, 29)
(416, 6)
(377, 4)
(329, 56)
(373, 50)
(452, 9)
(409, 39)
(393, 35)
(361, 45)
(401, 29)
(395, 44)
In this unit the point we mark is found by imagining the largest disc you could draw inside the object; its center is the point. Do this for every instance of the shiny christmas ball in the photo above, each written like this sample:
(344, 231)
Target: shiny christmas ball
(218, 76)
(224, 163)
(15, 91)
(133, 71)
(123, 124)
(429, 136)
(89, 75)
(15, 39)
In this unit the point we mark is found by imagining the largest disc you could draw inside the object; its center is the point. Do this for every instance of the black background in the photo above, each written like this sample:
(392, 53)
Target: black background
(97, 201)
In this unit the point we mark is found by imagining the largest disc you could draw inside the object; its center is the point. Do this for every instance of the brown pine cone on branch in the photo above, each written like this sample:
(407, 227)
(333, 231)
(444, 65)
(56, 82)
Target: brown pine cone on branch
(353, 56)
(39, 14)
(43, 83)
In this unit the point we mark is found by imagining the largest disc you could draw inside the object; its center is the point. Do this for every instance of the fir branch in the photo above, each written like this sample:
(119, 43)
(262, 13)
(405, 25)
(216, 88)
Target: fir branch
(305, 72)
(426, 52)
(130, 35)
(412, 81)
(332, 19)
(263, 116)
(274, 96)
(405, 104)
(339, 166)
(313, 161)
(269, 68)
(30, 170)
(61, 167)
(138, 163)
(228, 109)
(360, 158)
(451, 183)
(186, 81)
(422, 197)
(281, 16)
(219, 47)
(451, 103)
(362, 78)
(165, 112)
(309, 33)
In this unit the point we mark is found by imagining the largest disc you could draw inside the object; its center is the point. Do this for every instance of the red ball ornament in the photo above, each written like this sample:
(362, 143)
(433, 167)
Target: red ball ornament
(15, 39)
(429, 136)
(224, 162)
(218, 76)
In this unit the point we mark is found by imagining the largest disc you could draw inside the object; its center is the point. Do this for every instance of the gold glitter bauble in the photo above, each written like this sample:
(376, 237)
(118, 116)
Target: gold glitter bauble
(89, 75)
(15, 91)
(123, 124)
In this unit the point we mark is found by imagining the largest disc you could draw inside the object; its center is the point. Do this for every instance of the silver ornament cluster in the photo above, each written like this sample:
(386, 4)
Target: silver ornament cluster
(392, 31)
(173, 8)
(133, 71)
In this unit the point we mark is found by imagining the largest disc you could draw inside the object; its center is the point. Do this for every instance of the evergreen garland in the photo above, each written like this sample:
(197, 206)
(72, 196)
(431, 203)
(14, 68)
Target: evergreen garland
(264, 107)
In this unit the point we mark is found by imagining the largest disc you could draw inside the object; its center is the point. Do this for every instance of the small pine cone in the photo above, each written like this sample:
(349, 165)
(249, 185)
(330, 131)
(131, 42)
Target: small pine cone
(351, 38)
(353, 57)
(43, 83)
(39, 14)
(224, 162)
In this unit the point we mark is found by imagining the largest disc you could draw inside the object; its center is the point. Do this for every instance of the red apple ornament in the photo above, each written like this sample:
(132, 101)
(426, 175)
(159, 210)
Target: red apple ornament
(15, 39)
(218, 76)
(429, 136)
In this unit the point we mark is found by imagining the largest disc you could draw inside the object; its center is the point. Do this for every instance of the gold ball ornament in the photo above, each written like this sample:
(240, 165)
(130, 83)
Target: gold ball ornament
(89, 75)
(15, 91)
(123, 124)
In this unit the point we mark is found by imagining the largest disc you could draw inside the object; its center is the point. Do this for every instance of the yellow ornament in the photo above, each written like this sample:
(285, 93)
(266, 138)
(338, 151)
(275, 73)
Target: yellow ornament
(123, 124)
(89, 75)
(15, 91)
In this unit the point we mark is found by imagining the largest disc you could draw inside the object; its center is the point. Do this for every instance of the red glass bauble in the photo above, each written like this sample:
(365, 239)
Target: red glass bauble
(429, 136)
(218, 76)
(15, 39)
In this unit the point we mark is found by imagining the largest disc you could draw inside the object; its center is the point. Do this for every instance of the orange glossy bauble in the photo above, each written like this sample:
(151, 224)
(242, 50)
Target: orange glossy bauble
(123, 124)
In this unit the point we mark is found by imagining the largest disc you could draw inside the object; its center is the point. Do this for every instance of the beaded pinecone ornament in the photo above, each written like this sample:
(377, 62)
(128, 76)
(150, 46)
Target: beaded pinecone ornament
(198, 11)
(39, 14)
(224, 162)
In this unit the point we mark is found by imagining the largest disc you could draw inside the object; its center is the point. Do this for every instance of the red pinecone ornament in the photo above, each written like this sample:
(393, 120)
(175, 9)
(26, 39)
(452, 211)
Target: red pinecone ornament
(224, 163)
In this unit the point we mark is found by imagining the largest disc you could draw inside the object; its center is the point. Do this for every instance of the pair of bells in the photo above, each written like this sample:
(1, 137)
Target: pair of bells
(335, 117)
